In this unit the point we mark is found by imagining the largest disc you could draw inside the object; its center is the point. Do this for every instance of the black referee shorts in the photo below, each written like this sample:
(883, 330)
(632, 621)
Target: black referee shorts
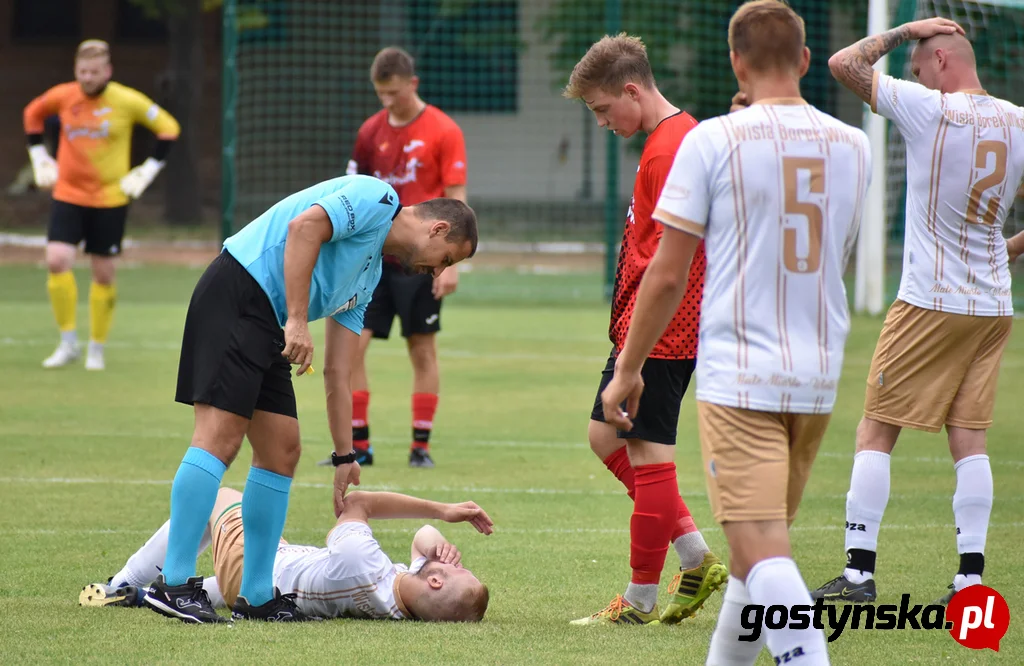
(665, 383)
(231, 348)
(102, 229)
(409, 297)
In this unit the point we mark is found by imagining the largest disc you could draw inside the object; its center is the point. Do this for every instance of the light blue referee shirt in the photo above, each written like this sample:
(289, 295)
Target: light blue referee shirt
(361, 209)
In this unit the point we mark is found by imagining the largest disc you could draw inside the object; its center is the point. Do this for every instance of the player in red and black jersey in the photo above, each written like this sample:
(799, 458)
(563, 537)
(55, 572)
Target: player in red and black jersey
(615, 81)
(420, 151)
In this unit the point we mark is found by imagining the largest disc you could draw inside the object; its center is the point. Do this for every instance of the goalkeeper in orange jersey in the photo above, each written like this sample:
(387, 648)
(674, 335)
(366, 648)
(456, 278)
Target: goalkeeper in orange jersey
(92, 185)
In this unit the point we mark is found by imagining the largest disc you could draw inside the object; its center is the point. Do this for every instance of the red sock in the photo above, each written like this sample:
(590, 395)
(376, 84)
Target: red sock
(360, 426)
(684, 522)
(423, 407)
(618, 464)
(655, 510)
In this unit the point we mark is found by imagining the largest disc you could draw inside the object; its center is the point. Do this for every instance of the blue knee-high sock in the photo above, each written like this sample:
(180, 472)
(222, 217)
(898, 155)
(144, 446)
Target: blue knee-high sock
(264, 507)
(192, 498)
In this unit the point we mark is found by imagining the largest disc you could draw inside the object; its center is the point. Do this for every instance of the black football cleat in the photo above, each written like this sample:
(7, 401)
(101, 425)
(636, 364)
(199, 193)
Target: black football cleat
(841, 590)
(188, 603)
(420, 458)
(282, 608)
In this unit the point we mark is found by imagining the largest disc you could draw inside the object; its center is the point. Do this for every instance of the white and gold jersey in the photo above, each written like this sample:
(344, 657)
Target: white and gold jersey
(352, 577)
(965, 160)
(776, 191)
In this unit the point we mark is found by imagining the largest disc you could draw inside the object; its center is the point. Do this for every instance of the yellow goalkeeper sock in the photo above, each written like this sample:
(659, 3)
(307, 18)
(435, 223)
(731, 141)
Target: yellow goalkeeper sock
(102, 298)
(63, 298)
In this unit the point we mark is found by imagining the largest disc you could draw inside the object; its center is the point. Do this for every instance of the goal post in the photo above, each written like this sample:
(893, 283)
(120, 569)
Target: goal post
(869, 289)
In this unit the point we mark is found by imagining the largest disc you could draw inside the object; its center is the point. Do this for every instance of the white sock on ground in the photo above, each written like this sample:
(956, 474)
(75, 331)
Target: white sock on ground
(144, 566)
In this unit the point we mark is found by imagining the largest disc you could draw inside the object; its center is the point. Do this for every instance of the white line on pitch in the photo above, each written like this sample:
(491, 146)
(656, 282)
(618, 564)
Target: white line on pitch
(498, 530)
(470, 443)
(383, 351)
(692, 498)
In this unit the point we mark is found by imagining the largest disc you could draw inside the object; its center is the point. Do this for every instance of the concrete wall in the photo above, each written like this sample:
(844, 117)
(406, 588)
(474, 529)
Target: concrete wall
(538, 153)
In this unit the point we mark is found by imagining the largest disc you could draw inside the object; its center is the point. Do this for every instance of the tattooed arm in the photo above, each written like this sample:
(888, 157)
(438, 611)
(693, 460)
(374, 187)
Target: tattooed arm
(853, 65)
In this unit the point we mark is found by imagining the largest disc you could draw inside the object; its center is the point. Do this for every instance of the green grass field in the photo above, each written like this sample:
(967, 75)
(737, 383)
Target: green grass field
(87, 460)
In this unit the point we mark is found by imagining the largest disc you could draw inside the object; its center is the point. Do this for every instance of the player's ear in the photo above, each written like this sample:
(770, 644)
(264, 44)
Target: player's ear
(738, 68)
(805, 61)
(435, 582)
(440, 228)
(414, 81)
(632, 90)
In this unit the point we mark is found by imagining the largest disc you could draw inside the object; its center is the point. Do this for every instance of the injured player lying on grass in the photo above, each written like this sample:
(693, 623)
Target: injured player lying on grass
(351, 577)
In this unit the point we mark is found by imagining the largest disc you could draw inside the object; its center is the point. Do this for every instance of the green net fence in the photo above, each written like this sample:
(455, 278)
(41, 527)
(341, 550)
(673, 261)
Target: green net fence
(297, 88)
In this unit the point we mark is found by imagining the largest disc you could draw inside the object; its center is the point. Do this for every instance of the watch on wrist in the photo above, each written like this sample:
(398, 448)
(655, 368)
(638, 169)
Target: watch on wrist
(342, 460)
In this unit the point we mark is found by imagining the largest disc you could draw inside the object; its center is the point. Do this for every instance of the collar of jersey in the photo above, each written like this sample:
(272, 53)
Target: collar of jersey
(398, 597)
(782, 101)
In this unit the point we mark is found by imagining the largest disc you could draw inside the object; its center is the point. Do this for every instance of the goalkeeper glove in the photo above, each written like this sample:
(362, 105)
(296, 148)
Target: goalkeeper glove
(44, 167)
(141, 177)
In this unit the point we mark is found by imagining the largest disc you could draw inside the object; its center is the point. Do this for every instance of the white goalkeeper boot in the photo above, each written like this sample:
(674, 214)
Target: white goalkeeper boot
(66, 352)
(94, 357)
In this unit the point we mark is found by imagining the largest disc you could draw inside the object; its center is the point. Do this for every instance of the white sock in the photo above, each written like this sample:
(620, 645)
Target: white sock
(777, 581)
(865, 505)
(95, 346)
(144, 566)
(691, 549)
(960, 581)
(213, 591)
(972, 503)
(70, 337)
(726, 648)
(642, 597)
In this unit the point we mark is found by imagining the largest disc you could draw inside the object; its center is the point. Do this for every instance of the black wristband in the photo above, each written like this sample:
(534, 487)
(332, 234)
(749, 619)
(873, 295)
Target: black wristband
(343, 460)
(163, 147)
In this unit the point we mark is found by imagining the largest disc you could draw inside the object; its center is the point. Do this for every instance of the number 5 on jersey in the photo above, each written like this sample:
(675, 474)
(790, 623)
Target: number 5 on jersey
(803, 257)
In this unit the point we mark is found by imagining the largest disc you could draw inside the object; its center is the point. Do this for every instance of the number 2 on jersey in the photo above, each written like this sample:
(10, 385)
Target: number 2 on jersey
(815, 167)
(998, 150)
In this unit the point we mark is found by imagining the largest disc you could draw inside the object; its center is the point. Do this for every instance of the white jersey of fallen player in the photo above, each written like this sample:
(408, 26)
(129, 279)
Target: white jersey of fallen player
(965, 159)
(351, 577)
(776, 191)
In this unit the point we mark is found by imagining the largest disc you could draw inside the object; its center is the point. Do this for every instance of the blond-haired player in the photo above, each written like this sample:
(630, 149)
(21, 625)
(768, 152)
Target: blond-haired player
(614, 79)
(351, 577)
(775, 190)
(937, 358)
(92, 187)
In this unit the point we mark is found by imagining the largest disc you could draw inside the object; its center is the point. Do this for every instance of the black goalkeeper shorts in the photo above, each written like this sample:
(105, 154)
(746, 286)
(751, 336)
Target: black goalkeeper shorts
(102, 229)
